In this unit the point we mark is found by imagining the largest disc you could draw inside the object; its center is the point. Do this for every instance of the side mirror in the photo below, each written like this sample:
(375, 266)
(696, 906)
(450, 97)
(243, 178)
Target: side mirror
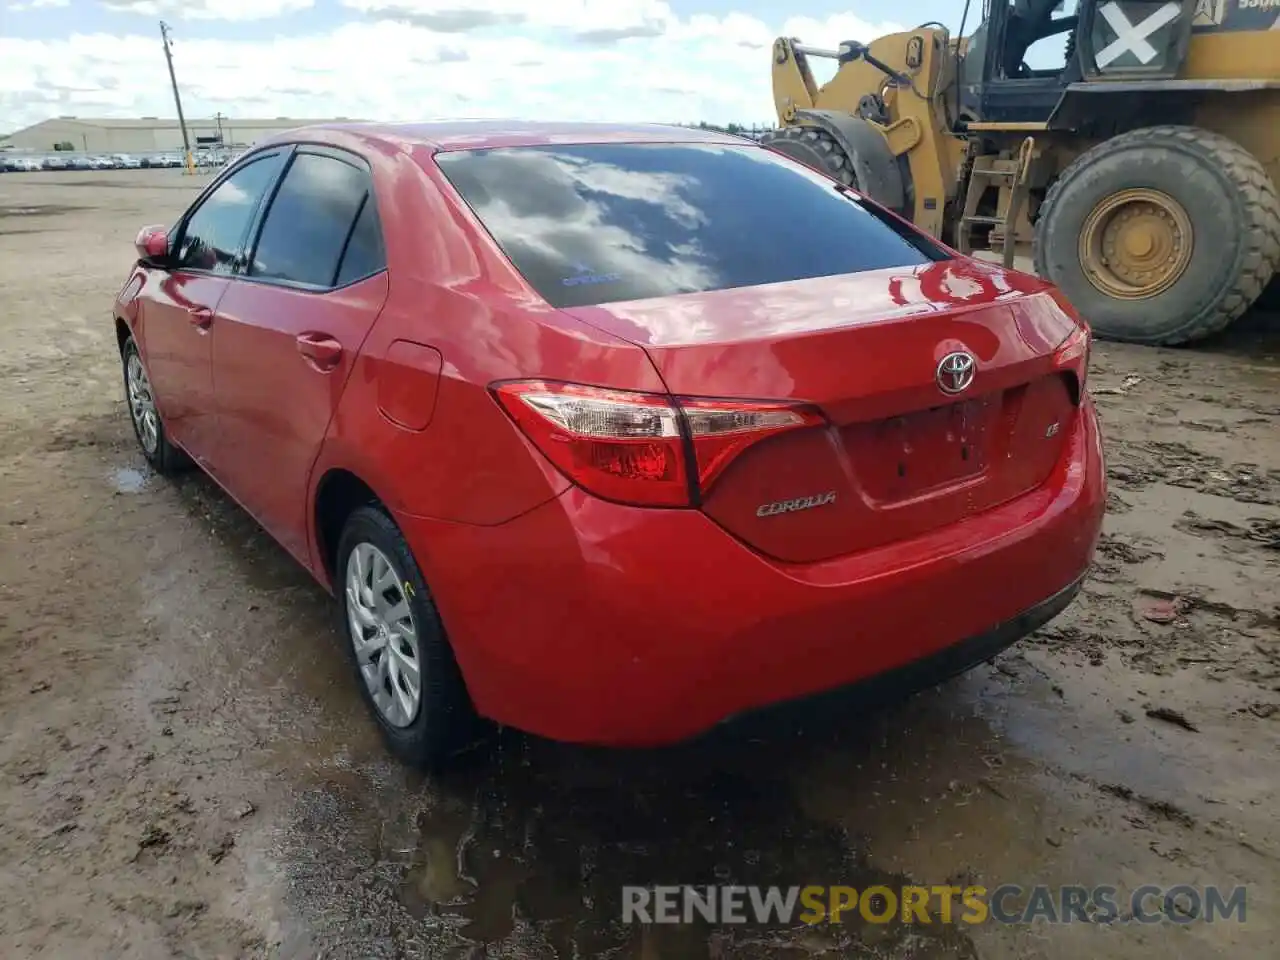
(152, 243)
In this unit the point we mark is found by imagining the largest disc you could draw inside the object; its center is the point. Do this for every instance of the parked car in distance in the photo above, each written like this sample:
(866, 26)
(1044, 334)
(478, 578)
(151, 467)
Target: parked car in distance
(611, 433)
(126, 161)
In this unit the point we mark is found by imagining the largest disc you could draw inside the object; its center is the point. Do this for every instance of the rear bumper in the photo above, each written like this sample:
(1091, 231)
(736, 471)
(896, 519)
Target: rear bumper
(946, 663)
(593, 622)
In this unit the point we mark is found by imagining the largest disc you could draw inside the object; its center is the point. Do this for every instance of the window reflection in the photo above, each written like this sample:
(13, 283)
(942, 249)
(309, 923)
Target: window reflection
(212, 236)
(603, 223)
(310, 220)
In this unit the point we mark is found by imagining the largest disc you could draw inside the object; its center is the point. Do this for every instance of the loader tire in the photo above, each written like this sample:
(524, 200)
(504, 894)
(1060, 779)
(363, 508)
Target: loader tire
(1269, 299)
(814, 148)
(1208, 204)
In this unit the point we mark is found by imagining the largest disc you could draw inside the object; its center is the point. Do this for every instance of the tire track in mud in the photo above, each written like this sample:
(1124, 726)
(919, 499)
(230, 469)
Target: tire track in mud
(1226, 536)
(1142, 463)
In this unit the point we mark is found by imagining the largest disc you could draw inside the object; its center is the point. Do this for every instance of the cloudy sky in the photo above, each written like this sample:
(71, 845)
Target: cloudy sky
(664, 60)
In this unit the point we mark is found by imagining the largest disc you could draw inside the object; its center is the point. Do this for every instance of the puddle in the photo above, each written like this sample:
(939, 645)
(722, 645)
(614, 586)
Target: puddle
(527, 855)
(130, 480)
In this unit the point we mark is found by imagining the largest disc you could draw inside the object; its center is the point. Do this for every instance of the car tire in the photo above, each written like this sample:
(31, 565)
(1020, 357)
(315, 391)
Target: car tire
(384, 654)
(148, 426)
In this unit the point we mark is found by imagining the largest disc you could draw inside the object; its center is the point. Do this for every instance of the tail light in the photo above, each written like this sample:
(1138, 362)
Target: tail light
(1072, 356)
(642, 448)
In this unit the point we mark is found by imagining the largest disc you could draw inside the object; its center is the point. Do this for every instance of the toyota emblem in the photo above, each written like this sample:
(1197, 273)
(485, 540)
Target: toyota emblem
(955, 371)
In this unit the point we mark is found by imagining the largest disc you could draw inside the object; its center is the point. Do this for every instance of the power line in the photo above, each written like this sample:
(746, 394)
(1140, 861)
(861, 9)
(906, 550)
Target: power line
(177, 98)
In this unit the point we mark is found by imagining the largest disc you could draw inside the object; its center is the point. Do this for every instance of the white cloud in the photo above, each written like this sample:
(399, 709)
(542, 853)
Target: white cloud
(566, 59)
(37, 5)
(590, 20)
(208, 9)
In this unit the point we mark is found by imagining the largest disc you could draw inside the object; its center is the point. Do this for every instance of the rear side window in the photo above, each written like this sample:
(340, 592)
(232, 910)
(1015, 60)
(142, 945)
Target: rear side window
(364, 254)
(600, 223)
(310, 221)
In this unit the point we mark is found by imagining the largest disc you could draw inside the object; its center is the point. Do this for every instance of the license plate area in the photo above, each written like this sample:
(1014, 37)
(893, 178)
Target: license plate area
(906, 456)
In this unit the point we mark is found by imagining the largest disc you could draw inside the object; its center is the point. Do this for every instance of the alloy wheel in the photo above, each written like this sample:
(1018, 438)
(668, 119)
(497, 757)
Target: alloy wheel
(142, 404)
(383, 634)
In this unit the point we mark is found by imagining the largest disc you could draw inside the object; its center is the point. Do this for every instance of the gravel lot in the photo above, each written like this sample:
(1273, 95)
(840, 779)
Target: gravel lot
(186, 769)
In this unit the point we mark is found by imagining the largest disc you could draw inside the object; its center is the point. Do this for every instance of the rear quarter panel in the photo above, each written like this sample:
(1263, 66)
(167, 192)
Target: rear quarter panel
(453, 292)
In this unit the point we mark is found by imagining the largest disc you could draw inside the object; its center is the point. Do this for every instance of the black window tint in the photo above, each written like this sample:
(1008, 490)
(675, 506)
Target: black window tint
(364, 255)
(598, 223)
(309, 220)
(212, 236)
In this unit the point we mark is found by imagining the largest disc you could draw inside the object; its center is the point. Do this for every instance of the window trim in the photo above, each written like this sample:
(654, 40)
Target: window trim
(351, 159)
(929, 246)
(180, 229)
(346, 243)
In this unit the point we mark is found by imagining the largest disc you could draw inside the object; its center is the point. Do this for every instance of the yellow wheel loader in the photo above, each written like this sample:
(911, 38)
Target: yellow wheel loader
(1139, 171)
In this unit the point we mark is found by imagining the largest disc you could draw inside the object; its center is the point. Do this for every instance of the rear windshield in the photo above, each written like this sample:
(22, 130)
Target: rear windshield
(600, 223)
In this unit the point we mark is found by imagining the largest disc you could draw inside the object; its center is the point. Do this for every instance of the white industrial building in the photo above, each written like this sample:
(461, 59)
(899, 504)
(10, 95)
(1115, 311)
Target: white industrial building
(146, 135)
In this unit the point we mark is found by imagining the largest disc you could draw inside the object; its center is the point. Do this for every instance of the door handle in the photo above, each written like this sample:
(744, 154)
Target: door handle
(200, 316)
(323, 351)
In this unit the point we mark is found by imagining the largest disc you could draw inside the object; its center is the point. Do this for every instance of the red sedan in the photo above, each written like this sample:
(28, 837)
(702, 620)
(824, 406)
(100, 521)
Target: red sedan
(610, 433)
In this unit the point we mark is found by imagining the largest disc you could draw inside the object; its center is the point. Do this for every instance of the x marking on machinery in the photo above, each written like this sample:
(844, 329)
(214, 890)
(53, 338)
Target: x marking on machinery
(1130, 37)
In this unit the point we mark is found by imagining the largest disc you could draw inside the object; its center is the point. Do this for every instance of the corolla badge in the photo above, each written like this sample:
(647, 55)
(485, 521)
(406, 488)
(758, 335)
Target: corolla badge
(956, 371)
(792, 506)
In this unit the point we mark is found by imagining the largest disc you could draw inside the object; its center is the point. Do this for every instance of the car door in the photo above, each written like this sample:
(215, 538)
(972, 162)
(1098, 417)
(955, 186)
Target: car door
(289, 329)
(179, 302)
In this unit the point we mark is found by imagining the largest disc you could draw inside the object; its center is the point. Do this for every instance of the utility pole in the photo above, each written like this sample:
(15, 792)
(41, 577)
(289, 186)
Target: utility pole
(177, 99)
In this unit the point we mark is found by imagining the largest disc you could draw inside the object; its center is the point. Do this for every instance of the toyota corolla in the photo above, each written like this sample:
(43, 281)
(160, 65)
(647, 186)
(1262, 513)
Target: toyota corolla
(611, 433)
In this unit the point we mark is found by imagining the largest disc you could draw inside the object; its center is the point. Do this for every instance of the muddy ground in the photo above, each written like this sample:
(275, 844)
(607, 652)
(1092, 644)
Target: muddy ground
(186, 769)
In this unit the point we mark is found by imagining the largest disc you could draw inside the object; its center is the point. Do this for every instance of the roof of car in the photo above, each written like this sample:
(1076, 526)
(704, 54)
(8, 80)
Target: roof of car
(480, 134)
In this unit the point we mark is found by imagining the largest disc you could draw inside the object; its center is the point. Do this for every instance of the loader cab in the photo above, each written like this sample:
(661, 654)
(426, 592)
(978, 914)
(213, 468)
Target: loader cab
(1025, 53)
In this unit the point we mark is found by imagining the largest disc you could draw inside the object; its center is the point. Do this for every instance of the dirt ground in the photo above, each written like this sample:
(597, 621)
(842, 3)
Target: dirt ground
(186, 769)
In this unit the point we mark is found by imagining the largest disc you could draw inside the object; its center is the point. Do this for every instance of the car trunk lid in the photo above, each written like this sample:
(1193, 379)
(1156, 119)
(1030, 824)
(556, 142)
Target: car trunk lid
(899, 455)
